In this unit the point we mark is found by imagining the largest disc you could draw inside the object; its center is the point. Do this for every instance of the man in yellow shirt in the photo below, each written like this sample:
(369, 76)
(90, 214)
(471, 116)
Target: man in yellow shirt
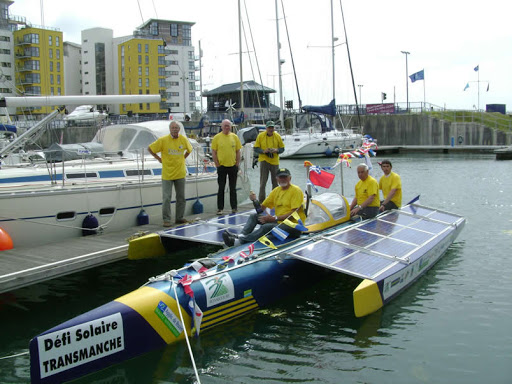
(226, 156)
(285, 199)
(391, 186)
(268, 146)
(366, 203)
(174, 149)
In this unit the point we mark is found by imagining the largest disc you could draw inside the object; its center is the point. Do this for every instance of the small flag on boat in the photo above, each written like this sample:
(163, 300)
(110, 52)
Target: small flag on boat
(321, 178)
(185, 282)
(196, 315)
(251, 250)
(265, 241)
(280, 233)
(198, 267)
(467, 86)
(477, 68)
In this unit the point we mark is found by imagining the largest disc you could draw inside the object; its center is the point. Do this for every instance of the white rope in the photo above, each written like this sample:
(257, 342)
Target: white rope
(12, 356)
(185, 331)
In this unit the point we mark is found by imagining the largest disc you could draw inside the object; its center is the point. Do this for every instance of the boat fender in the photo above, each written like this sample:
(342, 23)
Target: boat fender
(336, 150)
(89, 225)
(142, 218)
(5, 241)
(197, 207)
(328, 152)
(207, 263)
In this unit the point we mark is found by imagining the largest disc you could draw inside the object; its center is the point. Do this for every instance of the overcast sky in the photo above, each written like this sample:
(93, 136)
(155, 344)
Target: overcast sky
(446, 38)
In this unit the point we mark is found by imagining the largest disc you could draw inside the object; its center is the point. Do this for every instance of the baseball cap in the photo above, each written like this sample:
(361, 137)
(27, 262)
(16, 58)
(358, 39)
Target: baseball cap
(283, 172)
(270, 123)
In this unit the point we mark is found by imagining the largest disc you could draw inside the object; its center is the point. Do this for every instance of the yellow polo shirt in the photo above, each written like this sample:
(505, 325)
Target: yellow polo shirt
(364, 189)
(286, 200)
(387, 183)
(172, 152)
(265, 141)
(226, 147)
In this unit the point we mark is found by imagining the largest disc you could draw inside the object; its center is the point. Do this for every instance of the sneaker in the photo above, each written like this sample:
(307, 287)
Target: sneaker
(228, 239)
(219, 212)
(232, 234)
(234, 210)
(167, 223)
(182, 221)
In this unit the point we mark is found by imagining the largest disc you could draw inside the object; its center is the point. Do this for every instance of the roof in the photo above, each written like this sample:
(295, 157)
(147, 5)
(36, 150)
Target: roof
(250, 85)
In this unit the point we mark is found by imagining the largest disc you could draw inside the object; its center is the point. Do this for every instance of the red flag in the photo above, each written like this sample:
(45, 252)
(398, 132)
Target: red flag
(322, 179)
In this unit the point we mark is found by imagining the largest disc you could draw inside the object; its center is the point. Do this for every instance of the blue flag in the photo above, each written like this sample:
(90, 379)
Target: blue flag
(467, 86)
(418, 76)
(476, 68)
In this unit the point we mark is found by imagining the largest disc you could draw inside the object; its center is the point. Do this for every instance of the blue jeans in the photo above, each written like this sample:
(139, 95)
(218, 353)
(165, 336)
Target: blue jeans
(179, 188)
(251, 235)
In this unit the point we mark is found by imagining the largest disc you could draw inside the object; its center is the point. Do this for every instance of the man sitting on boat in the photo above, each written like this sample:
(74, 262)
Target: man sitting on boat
(366, 203)
(286, 199)
(391, 186)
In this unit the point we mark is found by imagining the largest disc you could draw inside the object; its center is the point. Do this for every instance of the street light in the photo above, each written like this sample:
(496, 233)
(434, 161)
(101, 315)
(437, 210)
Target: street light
(360, 99)
(406, 77)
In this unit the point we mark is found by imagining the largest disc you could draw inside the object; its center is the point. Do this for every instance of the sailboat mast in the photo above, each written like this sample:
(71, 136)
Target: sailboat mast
(240, 50)
(281, 117)
(332, 44)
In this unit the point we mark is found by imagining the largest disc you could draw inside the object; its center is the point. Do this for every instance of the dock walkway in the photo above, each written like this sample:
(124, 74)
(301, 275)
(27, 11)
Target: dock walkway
(24, 266)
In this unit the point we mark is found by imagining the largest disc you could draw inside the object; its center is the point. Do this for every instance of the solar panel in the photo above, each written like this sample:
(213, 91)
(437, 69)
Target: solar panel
(371, 248)
(210, 231)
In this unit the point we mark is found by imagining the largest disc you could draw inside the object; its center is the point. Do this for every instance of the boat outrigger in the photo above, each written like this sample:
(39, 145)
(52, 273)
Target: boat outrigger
(388, 253)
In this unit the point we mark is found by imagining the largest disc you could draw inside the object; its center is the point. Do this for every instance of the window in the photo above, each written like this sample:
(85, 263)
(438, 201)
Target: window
(161, 49)
(50, 40)
(51, 66)
(50, 53)
(58, 66)
(174, 62)
(147, 59)
(161, 71)
(57, 53)
(58, 79)
(32, 51)
(51, 79)
(51, 91)
(161, 60)
(140, 71)
(192, 96)
(140, 59)
(57, 43)
(174, 93)
(191, 86)
(140, 82)
(32, 38)
(5, 38)
(147, 71)
(173, 52)
(161, 83)
(174, 30)
(174, 83)
(174, 73)
(191, 75)
(139, 48)
(191, 65)
(147, 82)
(58, 91)
(191, 55)
(146, 48)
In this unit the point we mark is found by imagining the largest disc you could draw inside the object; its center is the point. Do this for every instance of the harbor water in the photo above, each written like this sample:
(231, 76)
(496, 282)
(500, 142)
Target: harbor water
(451, 326)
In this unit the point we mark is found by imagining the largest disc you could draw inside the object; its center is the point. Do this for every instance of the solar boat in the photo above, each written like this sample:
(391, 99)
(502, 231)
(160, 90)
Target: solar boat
(387, 253)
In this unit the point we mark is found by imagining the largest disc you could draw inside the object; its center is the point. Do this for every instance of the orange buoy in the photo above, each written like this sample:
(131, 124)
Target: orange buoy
(5, 241)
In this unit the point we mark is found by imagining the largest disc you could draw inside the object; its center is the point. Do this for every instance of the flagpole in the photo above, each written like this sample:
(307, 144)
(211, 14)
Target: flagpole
(478, 86)
(424, 98)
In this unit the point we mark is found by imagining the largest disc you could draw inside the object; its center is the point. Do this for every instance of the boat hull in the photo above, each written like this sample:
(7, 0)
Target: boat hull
(150, 318)
(318, 145)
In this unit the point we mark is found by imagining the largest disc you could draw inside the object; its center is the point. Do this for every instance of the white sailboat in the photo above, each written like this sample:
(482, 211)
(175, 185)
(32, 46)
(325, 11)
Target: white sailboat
(314, 134)
(112, 178)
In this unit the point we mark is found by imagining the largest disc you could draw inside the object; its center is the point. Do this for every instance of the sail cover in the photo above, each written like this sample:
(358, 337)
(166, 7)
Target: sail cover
(329, 109)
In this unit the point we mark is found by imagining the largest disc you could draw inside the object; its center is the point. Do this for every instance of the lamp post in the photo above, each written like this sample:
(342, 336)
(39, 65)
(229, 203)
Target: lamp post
(406, 77)
(360, 99)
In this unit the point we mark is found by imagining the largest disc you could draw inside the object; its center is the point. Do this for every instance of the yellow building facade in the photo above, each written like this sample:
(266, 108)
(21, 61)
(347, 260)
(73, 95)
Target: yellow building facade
(39, 61)
(142, 71)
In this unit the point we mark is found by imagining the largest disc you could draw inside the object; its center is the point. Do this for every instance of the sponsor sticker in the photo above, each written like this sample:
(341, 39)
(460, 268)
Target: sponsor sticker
(219, 289)
(168, 317)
